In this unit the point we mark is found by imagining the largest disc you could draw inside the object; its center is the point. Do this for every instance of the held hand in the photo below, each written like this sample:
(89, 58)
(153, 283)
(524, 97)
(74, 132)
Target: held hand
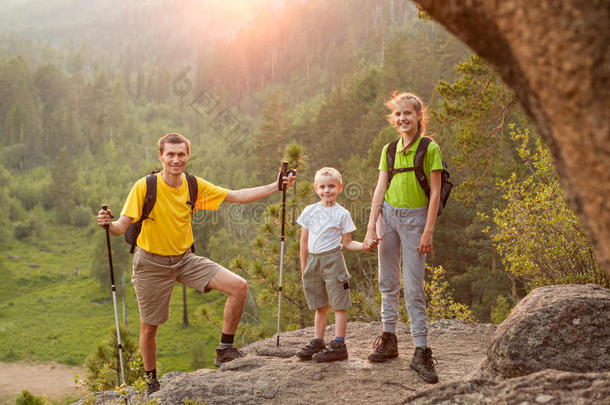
(425, 243)
(104, 218)
(287, 180)
(370, 241)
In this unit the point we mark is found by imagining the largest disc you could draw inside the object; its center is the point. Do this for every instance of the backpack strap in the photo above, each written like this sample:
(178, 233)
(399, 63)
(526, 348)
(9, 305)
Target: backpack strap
(418, 168)
(418, 162)
(390, 155)
(149, 202)
(193, 192)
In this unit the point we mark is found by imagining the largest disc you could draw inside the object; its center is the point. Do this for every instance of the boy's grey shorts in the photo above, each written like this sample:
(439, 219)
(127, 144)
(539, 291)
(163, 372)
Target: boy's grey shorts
(326, 279)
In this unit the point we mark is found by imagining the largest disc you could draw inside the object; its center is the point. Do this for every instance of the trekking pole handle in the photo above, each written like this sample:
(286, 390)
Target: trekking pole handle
(105, 208)
(284, 170)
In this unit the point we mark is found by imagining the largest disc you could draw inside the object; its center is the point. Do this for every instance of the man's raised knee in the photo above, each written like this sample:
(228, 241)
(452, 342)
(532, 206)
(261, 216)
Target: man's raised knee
(242, 288)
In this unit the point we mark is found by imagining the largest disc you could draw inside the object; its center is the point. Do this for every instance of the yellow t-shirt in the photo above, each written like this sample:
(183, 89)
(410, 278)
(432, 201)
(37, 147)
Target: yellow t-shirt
(169, 231)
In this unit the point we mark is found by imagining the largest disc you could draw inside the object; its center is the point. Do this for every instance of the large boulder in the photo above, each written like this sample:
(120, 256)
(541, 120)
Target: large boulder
(562, 327)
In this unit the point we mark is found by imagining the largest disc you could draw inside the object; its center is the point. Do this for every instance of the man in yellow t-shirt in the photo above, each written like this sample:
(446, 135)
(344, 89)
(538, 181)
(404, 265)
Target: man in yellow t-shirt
(163, 256)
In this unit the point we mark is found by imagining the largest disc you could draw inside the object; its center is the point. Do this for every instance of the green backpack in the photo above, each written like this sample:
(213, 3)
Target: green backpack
(418, 167)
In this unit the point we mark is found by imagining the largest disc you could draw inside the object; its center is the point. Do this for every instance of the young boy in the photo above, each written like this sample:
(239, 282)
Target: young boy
(326, 226)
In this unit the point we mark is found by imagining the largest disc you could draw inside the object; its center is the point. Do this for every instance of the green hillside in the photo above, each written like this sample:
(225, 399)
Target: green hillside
(84, 96)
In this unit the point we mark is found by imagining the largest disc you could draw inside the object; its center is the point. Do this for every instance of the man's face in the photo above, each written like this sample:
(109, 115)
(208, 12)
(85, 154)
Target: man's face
(174, 158)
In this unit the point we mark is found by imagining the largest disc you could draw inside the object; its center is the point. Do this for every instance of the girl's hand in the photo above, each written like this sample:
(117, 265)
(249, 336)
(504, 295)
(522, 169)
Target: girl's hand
(425, 243)
(370, 240)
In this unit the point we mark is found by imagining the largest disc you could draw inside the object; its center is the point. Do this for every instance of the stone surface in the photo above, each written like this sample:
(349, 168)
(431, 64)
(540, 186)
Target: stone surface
(561, 330)
(555, 327)
(544, 387)
(266, 376)
(555, 55)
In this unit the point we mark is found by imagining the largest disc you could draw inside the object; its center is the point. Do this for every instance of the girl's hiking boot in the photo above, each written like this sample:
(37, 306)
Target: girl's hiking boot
(153, 386)
(226, 355)
(333, 352)
(424, 363)
(310, 349)
(385, 347)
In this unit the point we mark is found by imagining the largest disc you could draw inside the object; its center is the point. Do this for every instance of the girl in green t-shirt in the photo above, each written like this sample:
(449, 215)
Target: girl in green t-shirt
(402, 223)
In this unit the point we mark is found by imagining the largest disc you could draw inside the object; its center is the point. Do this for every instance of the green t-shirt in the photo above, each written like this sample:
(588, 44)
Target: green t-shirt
(404, 190)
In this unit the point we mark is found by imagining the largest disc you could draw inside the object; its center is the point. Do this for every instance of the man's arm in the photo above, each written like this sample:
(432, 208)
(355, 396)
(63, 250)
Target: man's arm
(304, 249)
(246, 195)
(116, 228)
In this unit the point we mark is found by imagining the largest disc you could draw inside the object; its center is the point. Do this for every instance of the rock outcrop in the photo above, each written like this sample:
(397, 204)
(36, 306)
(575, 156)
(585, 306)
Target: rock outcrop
(269, 374)
(544, 387)
(562, 327)
(561, 330)
(555, 55)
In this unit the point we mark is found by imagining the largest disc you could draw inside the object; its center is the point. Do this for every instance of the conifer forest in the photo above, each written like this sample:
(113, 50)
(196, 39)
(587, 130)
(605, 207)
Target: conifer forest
(87, 89)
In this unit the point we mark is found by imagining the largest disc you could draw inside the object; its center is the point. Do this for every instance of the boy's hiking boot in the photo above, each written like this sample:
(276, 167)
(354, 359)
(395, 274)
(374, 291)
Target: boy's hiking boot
(153, 386)
(385, 347)
(424, 363)
(226, 355)
(333, 352)
(310, 349)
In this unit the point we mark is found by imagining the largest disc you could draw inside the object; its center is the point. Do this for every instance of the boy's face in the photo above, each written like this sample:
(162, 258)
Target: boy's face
(328, 188)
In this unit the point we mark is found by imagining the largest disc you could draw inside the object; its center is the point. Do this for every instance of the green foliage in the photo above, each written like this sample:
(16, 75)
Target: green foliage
(264, 269)
(25, 398)
(104, 366)
(441, 304)
(473, 138)
(76, 138)
(64, 177)
(539, 239)
(121, 261)
(501, 310)
(271, 139)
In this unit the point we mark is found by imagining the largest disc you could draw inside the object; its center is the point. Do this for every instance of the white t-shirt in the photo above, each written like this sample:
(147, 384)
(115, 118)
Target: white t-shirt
(325, 226)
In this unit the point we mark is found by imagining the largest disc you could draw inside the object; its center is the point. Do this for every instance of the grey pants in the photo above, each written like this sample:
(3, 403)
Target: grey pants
(403, 228)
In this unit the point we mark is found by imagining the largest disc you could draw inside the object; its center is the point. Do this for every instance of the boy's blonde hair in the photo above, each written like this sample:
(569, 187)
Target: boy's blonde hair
(327, 171)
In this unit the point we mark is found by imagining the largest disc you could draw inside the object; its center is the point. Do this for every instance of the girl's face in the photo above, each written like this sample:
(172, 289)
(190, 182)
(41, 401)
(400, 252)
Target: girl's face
(406, 118)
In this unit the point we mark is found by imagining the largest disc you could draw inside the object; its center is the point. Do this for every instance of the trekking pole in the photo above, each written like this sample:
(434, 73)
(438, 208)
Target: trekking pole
(116, 314)
(279, 300)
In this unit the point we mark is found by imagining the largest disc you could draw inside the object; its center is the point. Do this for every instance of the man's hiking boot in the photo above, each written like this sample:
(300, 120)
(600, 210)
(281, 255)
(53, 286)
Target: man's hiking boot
(385, 347)
(226, 355)
(310, 349)
(424, 363)
(333, 352)
(153, 386)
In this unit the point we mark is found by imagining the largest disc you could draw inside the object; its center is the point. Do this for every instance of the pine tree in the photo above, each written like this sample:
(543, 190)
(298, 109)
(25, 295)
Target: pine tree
(64, 176)
(273, 134)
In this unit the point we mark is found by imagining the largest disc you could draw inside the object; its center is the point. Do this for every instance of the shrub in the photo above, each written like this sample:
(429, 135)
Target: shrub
(25, 398)
(441, 304)
(538, 238)
(103, 364)
(501, 310)
(81, 216)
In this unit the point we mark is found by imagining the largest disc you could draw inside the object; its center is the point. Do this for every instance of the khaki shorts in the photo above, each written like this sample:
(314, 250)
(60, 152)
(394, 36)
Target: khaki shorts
(326, 279)
(154, 277)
